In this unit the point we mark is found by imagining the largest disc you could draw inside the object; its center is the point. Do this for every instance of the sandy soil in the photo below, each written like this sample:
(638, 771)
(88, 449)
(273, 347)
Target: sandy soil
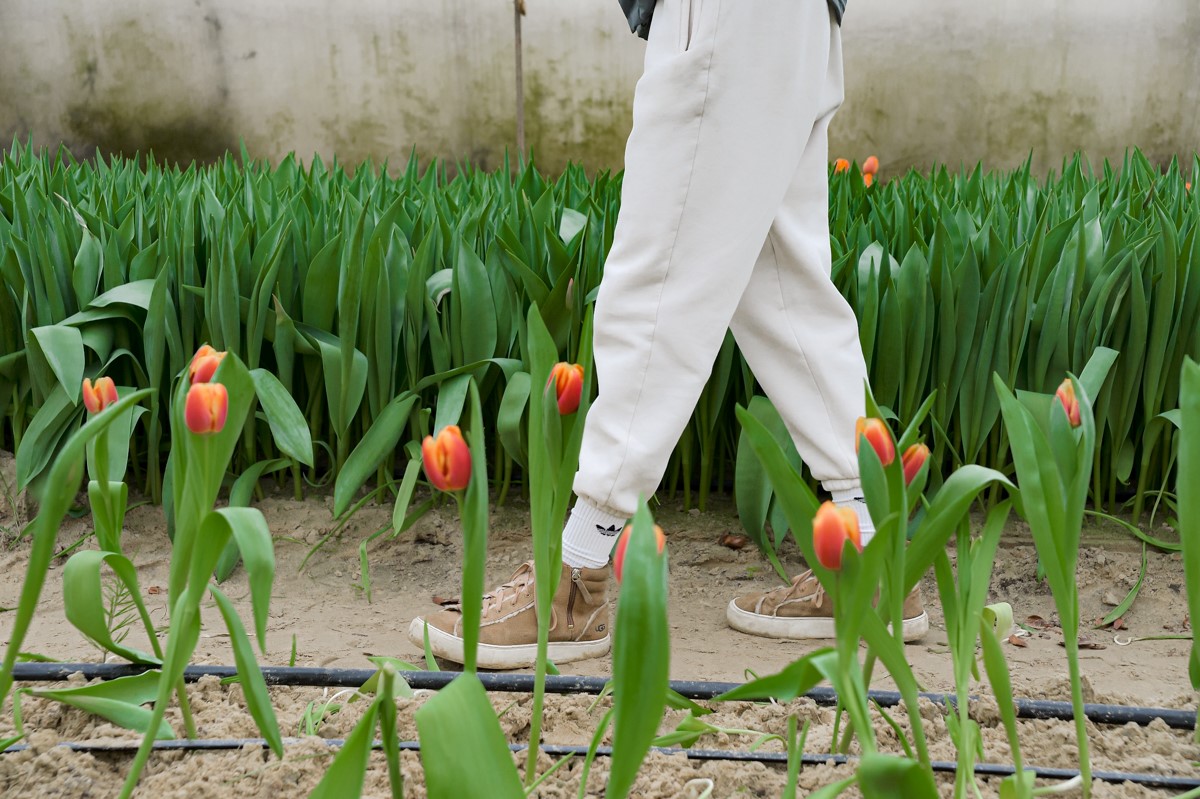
(325, 610)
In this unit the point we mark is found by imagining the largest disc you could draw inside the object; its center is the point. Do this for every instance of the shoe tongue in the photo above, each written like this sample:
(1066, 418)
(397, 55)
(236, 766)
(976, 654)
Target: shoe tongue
(802, 577)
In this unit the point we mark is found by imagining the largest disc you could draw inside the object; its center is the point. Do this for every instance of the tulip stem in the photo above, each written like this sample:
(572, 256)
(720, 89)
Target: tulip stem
(539, 692)
(153, 466)
(505, 481)
(706, 468)
(185, 708)
(1085, 766)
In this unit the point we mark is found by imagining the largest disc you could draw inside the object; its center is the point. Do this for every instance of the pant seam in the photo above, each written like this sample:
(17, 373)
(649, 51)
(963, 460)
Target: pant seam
(667, 272)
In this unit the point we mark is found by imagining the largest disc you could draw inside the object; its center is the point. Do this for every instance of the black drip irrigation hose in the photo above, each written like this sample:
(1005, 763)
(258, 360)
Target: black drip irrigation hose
(567, 684)
(775, 758)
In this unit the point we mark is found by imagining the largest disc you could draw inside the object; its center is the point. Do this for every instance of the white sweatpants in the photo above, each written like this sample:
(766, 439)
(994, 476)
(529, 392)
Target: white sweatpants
(724, 224)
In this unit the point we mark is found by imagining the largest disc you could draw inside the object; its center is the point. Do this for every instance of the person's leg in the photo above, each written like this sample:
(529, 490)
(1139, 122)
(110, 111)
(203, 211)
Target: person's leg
(721, 117)
(800, 338)
(719, 129)
(796, 330)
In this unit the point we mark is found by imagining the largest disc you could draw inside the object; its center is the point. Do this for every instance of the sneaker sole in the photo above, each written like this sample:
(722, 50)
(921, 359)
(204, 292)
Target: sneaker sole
(492, 656)
(800, 629)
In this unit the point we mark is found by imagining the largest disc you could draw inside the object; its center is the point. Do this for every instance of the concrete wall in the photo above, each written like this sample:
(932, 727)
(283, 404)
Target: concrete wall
(927, 80)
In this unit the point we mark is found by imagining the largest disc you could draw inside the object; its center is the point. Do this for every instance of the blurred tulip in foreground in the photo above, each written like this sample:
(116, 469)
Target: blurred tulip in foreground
(623, 542)
(447, 459)
(832, 527)
(205, 408)
(878, 436)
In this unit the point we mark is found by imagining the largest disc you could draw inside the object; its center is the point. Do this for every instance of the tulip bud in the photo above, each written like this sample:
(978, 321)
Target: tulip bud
(623, 542)
(206, 407)
(878, 436)
(447, 459)
(99, 396)
(913, 459)
(868, 179)
(1066, 395)
(840, 165)
(832, 527)
(567, 379)
(870, 166)
(569, 298)
(204, 364)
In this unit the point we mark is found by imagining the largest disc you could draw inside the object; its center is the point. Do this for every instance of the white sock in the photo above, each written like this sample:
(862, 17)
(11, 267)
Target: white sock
(866, 525)
(853, 498)
(590, 535)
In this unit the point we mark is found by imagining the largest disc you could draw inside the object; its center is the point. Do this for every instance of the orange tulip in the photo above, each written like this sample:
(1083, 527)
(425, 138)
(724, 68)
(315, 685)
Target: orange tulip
(832, 527)
(206, 407)
(1188, 185)
(567, 379)
(623, 542)
(99, 396)
(868, 179)
(870, 166)
(878, 436)
(204, 364)
(447, 459)
(840, 165)
(1066, 395)
(913, 459)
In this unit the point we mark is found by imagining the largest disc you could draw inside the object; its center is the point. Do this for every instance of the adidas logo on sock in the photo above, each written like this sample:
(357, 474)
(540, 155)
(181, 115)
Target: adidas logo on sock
(609, 531)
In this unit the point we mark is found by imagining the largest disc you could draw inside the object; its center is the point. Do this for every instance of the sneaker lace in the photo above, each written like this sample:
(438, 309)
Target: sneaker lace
(794, 591)
(522, 578)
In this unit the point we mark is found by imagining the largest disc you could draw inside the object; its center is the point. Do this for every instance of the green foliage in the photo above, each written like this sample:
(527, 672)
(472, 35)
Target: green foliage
(1189, 503)
(641, 655)
(352, 288)
(119, 701)
(1054, 459)
(460, 721)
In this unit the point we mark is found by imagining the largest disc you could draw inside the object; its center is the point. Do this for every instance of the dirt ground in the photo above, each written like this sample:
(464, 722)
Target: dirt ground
(325, 611)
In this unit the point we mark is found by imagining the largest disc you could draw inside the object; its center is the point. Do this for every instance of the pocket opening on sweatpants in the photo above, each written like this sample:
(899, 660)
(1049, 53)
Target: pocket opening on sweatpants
(689, 19)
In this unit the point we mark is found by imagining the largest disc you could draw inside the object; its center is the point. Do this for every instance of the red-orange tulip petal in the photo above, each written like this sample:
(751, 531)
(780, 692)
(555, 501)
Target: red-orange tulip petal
(840, 165)
(870, 166)
(204, 364)
(878, 436)
(1070, 403)
(206, 407)
(623, 542)
(447, 459)
(913, 459)
(568, 386)
(868, 179)
(98, 396)
(832, 527)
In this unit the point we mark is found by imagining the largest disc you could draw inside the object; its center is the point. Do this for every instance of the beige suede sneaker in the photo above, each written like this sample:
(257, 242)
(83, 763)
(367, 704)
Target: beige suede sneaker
(802, 610)
(508, 632)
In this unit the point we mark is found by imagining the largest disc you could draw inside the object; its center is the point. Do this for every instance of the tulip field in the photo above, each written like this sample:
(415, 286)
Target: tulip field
(222, 387)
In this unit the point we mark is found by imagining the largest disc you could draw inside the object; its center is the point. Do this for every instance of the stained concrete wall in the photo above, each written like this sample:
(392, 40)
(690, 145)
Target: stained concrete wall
(927, 80)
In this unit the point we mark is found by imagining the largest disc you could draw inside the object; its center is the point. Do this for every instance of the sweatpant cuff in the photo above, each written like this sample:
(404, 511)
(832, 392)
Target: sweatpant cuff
(844, 490)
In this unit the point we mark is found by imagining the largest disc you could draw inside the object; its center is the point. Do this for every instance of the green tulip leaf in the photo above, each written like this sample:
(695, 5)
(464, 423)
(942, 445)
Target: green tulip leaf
(458, 719)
